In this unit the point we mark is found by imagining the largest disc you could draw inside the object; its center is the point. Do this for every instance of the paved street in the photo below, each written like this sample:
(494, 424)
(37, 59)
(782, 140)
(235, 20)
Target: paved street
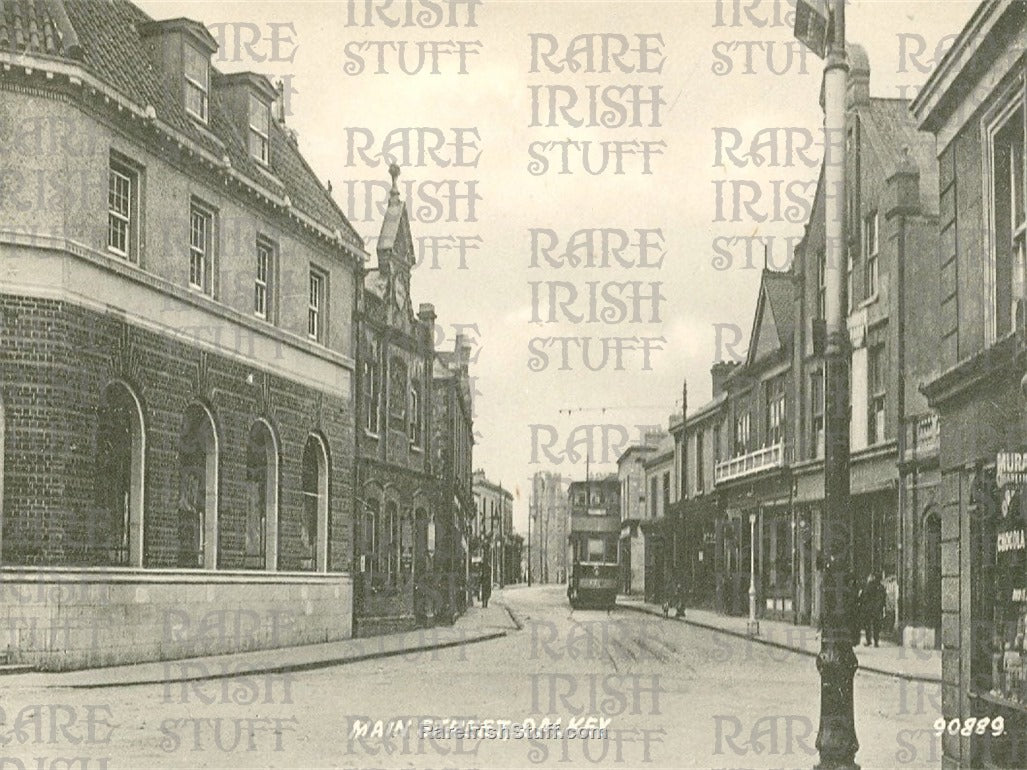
(675, 695)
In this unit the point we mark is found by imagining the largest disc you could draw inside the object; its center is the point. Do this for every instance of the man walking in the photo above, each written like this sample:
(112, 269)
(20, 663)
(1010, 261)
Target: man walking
(486, 583)
(871, 608)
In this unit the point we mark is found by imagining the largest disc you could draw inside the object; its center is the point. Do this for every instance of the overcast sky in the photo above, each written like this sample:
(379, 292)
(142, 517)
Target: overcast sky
(715, 78)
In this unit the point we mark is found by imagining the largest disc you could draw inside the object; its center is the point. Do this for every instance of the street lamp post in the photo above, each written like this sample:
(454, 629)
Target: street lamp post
(816, 25)
(753, 626)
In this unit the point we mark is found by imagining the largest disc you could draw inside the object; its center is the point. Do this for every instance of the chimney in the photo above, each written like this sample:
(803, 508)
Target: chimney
(462, 351)
(278, 105)
(904, 186)
(859, 77)
(426, 314)
(719, 373)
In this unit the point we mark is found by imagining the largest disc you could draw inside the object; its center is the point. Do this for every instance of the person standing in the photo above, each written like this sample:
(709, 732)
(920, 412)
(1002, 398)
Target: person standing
(871, 606)
(486, 583)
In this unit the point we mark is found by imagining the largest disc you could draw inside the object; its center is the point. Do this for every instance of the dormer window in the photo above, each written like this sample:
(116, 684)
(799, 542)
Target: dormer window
(197, 82)
(260, 123)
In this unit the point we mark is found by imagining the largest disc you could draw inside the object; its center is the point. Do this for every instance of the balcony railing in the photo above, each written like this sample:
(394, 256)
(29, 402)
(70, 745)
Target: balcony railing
(922, 434)
(762, 459)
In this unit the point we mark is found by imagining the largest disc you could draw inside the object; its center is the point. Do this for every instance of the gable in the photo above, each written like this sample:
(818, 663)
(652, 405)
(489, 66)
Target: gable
(765, 337)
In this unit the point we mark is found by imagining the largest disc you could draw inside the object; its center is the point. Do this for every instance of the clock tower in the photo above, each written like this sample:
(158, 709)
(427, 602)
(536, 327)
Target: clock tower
(396, 253)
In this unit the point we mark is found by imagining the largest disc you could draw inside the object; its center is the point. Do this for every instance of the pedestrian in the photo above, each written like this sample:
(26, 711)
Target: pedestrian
(486, 583)
(871, 608)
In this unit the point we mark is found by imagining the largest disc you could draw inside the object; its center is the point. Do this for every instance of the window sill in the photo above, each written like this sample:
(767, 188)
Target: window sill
(123, 257)
(369, 434)
(416, 448)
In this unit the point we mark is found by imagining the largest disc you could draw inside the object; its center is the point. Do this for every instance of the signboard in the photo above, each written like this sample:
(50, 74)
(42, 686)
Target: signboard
(1010, 468)
(1009, 582)
(596, 583)
(812, 25)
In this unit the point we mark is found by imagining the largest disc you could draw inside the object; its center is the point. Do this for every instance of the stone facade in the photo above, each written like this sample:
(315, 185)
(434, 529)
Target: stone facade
(176, 364)
(975, 104)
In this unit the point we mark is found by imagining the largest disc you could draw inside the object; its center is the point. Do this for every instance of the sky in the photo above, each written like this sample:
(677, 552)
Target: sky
(675, 142)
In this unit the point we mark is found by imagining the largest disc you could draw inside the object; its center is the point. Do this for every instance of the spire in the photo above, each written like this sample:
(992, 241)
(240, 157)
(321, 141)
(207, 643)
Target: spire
(394, 173)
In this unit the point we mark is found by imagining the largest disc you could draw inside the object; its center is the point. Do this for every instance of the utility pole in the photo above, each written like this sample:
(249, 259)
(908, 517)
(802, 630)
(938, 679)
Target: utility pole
(815, 24)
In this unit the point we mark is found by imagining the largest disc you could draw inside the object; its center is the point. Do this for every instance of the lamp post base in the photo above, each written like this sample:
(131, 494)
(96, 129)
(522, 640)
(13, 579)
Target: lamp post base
(836, 739)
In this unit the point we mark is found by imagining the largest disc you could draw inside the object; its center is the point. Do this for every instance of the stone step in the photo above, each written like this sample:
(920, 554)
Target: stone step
(15, 668)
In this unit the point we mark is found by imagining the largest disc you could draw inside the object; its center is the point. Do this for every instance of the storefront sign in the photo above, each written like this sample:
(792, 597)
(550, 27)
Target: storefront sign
(1010, 468)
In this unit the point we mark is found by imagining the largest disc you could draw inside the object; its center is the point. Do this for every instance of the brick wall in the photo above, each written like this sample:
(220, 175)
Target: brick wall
(58, 359)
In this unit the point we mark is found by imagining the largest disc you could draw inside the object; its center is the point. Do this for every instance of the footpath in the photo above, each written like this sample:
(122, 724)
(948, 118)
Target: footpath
(477, 624)
(915, 665)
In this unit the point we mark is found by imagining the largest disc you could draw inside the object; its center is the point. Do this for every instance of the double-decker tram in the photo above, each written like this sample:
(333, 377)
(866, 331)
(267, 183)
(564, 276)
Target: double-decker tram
(595, 572)
(595, 529)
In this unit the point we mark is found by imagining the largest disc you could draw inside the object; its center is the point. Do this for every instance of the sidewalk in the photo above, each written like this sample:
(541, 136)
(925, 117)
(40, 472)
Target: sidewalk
(889, 659)
(475, 625)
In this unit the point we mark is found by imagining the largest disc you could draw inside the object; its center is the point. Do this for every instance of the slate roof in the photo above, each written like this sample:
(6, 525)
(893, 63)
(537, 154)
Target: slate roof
(780, 290)
(103, 37)
(890, 129)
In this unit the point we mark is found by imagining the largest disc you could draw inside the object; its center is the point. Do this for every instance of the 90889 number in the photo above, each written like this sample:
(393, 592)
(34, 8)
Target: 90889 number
(970, 726)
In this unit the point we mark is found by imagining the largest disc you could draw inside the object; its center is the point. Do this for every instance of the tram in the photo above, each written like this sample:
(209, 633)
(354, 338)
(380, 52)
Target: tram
(595, 529)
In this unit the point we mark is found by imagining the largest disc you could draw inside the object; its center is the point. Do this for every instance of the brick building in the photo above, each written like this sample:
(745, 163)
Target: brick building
(893, 205)
(177, 350)
(633, 512)
(495, 513)
(975, 103)
(452, 448)
(694, 514)
(397, 523)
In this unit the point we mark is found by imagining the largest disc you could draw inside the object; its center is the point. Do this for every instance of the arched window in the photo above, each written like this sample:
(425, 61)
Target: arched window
(405, 544)
(368, 536)
(198, 490)
(397, 393)
(314, 524)
(119, 480)
(416, 409)
(261, 545)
